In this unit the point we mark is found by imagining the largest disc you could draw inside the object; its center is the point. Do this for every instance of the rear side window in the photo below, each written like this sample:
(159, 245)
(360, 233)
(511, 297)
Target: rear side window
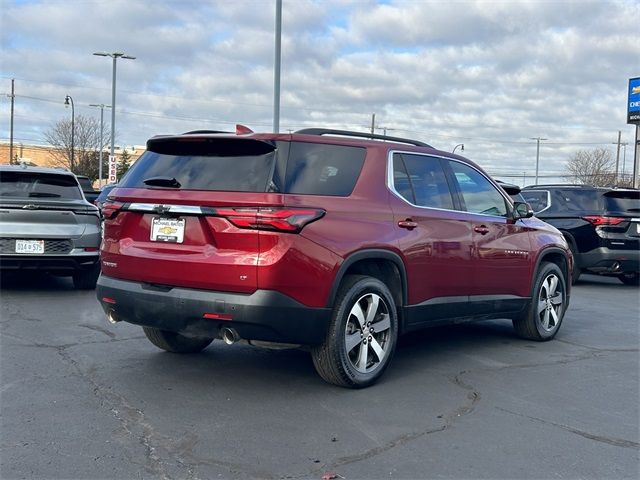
(420, 179)
(321, 169)
(207, 164)
(39, 185)
(577, 201)
(538, 200)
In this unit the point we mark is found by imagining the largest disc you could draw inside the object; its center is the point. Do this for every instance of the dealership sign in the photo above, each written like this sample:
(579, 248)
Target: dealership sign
(113, 178)
(633, 104)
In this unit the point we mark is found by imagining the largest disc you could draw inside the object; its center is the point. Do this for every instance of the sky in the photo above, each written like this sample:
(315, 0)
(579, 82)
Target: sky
(491, 75)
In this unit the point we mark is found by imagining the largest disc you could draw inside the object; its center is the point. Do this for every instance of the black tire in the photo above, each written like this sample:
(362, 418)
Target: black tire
(364, 322)
(86, 279)
(543, 317)
(630, 278)
(175, 342)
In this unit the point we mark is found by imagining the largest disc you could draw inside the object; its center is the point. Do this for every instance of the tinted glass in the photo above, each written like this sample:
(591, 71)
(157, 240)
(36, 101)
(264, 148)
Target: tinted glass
(319, 169)
(39, 185)
(622, 201)
(104, 193)
(427, 180)
(198, 164)
(401, 180)
(85, 184)
(479, 194)
(538, 200)
(577, 201)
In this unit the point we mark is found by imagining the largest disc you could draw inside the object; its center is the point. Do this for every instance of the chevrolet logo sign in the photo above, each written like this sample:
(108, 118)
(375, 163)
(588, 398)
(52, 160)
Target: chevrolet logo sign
(166, 230)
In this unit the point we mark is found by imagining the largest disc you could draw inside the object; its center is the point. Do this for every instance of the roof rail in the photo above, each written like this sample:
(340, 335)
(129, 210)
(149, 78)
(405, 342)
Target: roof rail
(563, 185)
(373, 136)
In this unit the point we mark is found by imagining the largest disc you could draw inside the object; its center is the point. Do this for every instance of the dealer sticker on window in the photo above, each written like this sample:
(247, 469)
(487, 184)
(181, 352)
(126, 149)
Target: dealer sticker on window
(170, 230)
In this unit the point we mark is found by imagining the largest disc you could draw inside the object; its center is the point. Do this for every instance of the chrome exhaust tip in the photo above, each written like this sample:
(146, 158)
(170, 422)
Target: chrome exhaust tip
(615, 267)
(229, 336)
(112, 318)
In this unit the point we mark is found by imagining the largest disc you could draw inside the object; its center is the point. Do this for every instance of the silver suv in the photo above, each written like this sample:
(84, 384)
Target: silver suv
(46, 224)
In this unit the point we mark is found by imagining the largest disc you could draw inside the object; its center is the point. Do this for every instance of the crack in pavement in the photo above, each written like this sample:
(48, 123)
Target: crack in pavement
(616, 442)
(473, 397)
(135, 424)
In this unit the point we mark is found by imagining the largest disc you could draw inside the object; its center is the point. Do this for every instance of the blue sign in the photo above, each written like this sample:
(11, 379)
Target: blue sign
(633, 104)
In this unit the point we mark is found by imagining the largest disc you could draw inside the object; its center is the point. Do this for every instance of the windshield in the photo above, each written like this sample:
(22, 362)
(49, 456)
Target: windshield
(38, 185)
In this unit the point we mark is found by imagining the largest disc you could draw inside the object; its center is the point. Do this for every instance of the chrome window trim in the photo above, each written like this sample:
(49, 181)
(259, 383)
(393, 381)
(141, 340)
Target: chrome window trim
(392, 189)
(152, 208)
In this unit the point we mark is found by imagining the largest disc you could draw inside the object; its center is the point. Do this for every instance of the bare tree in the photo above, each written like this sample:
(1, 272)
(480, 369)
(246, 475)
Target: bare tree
(86, 146)
(592, 167)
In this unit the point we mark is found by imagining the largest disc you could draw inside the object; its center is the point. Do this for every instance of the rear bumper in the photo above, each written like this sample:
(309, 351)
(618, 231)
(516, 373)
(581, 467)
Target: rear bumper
(51, 263)
(264, 315)
(605, 260)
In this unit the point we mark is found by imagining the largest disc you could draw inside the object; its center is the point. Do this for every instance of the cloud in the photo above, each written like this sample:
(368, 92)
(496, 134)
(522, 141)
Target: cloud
(489, 74)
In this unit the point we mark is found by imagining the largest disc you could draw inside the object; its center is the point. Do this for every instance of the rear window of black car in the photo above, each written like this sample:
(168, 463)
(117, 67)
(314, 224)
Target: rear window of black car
(246, 165)
(623, 201)
(39, 185)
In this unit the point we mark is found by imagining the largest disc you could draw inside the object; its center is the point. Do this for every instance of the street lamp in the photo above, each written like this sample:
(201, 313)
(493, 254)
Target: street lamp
(537, 139)
(461, 145)
(101, 106)
(68, 100)
(114, 56)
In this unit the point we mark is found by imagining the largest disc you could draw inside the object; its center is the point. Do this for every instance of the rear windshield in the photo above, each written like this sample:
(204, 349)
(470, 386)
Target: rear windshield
(226, 165)
(623, 201)
(246, 165)
(39, 185)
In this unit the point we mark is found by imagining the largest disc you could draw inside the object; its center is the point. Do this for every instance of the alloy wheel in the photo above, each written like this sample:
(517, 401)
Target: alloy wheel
(367, 333)
(550, 302)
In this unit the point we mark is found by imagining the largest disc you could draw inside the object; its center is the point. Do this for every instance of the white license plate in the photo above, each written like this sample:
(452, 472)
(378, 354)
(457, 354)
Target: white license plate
(170, 230)
(29, 246)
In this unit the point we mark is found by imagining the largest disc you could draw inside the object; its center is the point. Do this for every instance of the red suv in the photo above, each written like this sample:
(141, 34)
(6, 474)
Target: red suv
(338, 241)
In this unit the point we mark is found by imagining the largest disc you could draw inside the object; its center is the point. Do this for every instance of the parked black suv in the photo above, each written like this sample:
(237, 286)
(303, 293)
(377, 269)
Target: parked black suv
(87, 188)
(601, 225)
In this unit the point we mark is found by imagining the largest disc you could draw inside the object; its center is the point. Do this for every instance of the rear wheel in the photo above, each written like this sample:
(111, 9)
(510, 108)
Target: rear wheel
(630, 278)
(86, 279)
(175, 342)
(362, 335)
(543, 317)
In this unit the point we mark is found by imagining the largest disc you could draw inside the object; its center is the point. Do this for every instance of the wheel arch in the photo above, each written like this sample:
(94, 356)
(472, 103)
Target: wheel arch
(559, 257)
(385, 265)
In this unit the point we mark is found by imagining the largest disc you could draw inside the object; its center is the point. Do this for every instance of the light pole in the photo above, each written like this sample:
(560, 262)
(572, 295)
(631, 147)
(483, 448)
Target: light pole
(461, 145)
(114, 56)
(538, 140)
(101, 106)
(68, 100)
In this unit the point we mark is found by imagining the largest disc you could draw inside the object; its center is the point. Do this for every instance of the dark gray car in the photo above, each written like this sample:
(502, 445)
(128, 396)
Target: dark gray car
(46, 224)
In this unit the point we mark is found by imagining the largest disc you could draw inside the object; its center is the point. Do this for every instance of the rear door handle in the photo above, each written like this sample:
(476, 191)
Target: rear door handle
(482, 230)
(408, 224)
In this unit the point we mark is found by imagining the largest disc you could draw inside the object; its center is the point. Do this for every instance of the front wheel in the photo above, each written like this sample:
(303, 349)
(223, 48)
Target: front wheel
(630, 278)
(175, 342)
(362, 334)
(543, 317)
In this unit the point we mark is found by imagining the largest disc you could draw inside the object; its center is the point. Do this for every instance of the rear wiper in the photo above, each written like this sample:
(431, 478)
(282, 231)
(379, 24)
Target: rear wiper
(170, 182)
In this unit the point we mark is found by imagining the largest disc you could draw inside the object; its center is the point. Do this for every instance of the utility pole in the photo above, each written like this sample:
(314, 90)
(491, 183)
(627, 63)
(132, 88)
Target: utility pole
(617, 159)
(276, 74)
(373, 123)
(538, 139)
(13, 96)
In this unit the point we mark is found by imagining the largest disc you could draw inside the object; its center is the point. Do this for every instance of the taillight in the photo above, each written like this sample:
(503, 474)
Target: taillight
(599, 220)
(111, 209)
(284, 219)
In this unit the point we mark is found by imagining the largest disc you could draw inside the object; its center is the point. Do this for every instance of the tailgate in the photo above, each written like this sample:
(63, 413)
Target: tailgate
(186, 239)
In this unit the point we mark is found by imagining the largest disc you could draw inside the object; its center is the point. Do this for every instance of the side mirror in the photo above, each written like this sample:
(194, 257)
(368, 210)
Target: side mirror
(522, 210)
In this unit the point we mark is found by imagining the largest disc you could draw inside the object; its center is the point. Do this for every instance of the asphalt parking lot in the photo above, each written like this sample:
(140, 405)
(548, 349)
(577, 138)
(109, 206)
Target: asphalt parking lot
(85, 399)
